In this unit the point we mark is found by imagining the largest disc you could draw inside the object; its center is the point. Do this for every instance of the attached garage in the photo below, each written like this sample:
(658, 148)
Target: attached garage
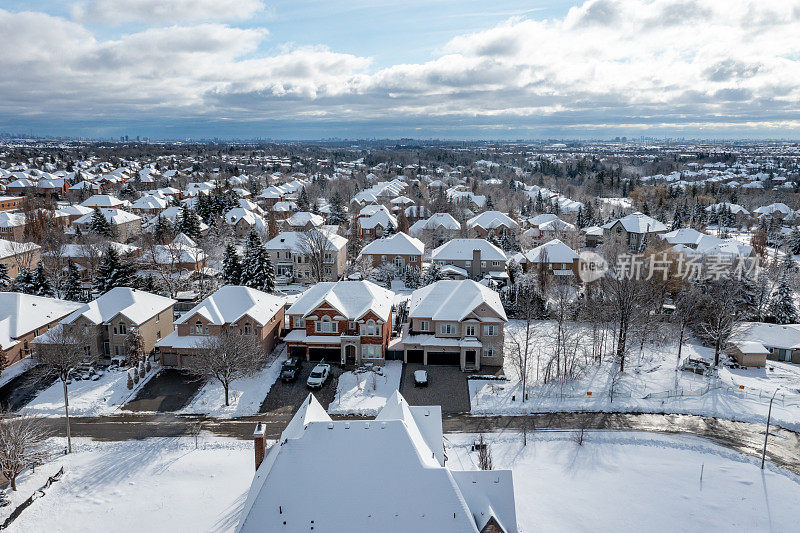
(299, 351)
(415, 356)
(331, 355)
(444, 358)
(169, 359)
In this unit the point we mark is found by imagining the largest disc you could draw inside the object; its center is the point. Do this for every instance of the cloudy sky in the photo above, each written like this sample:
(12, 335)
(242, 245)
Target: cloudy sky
(307, 69)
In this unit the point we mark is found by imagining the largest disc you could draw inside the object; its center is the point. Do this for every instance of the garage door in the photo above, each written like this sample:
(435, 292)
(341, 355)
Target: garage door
(299, 351)
(169, 359)
(415, 356)
(331, 355)
(444, 358)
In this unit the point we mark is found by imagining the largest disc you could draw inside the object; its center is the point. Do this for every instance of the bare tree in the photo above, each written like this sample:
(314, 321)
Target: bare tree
(226, 357)
(316, 245)
(21, 446)
(484, 454)
(63, 349)
(719, 313)
(628, 298)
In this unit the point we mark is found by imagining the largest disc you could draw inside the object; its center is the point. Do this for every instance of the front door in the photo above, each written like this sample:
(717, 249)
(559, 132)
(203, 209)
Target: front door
(350, 354)
(469, 359)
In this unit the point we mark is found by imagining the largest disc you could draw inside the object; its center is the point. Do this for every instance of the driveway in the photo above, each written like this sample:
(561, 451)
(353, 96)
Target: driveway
(447, 387)
(285, 398)
(18, 392)
(169, 390)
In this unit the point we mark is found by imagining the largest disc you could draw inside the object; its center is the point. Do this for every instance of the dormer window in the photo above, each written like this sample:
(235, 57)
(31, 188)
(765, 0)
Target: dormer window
(122, 328)
(198, 328)
(247, 328)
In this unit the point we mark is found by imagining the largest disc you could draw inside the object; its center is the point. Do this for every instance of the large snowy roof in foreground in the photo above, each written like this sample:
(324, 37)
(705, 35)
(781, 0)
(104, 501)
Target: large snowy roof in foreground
(453, 300)
(23, 313)
(232, 302)
(351, 298)
(366, 476)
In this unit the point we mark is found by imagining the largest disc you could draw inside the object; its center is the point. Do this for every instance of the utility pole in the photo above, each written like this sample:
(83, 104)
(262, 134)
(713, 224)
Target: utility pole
(766, 434)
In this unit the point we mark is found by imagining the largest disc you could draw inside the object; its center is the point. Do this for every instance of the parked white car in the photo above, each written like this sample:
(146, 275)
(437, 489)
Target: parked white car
(319, 375)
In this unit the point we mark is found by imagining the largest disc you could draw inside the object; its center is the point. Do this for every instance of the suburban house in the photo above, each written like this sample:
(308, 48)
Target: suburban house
(436, 230)
(303, 221)
(18, 255)
(402, 451)
(180, 255)
(24, 317)
(292, 255)
(125, 224)
(547, 230)
(12, 226)
(455, 323)
(244, 220)
(10, 203)
(632, 230)
(740, 215)
(399, 250)
(374, 221)
(348, 322)
(491, 223)
(782, 341)
(553, 258)
(148, 205)
(110, 319)
(241, 309)
(471, 258)
(105, 201)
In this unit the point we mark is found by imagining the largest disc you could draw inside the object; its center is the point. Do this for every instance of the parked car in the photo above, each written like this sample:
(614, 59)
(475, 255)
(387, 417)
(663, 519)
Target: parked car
(319, 375)
(290, 369)
(420, 378)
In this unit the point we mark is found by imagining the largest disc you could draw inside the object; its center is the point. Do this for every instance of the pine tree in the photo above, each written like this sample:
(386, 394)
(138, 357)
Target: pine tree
(40, 282)
(302, 200)
(24, 281)
(793, 244)
(99, 224)
(189, 224)
(412, 278)
(257, 270)
(113, 272)
(677, 222)
(5, 281)
(782, 309)
(579, 220)
(433, 274)
(163, 230)
(72, 285)
(231, 266)
(337, 215)
(489, 203)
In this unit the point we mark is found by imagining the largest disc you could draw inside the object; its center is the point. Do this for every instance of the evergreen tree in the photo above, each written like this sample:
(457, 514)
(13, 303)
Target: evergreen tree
(100, 225)
(231, 266)
(5, 281)
(677, 222)
(489, 203)
(163, 230)
(337, 215)
(412, 278)
(793, 244)
(579, 219)
(302, 200)
(40, 282)
(24, 282)
(257, 270)
(72, 285)
(433, 274)
(189, 224)
(113, 272)
(782, 309)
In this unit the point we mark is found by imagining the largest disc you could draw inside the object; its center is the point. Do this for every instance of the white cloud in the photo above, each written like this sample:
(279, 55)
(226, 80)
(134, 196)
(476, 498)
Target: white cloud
(163, 11)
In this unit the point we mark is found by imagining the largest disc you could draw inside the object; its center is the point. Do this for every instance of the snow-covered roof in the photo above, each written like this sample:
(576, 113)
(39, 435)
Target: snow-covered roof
(21, 314)
(232, 302)
(453, 300)
(353, 299)
(114, 216)
(294, 486)
(492, 220)
(461, 250)
(149, 202)
(138, 306)
(11, 220)
(685, 236)
(782, 336)
(301, 218)
(553, 251)
(444, 221)
(12, 248)
(735, 208)
(638, 223)
(397, 244)
(295, 241)
(104, 200)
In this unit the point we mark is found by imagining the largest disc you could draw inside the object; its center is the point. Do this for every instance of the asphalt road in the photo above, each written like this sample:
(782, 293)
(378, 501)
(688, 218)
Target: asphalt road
(783, 449)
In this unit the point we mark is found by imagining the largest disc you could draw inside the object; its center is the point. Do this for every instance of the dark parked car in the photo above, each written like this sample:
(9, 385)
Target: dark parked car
(291, 369)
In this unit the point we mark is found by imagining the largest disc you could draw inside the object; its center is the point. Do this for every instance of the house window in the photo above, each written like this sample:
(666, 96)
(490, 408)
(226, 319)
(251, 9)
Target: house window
(326, 325)
(328, 270)
(198, 328)
(122, 328)
(490, 330)
(483, 264)
(370, 328)
(351, 325)
(469, 331)
(158, 334)
(423, 325)
(247, 329)
(116, 350)
(299, 323)
(488, 352)
(448, 329)
(468, 263)
(383, 258)
(495, 263)
(158, 318)
(413, 259)
(371, 351)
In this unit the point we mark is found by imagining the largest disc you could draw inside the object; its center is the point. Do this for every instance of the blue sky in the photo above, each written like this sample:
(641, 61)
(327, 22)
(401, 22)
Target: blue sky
(444, 69)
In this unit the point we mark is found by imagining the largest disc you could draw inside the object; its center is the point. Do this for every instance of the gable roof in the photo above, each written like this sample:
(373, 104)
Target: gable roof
(638, 223)
(399, 243)
(492, 220)
(553, 251)
(232, 302)
(23, 313)
(453, 300)
(138, 306)
(461, 250)
(353, 299)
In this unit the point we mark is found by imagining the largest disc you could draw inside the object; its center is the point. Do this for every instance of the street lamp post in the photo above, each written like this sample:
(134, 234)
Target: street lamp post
(766, 434)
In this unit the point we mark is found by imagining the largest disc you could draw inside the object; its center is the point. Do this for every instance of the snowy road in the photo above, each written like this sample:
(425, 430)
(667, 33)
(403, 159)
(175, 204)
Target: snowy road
(783, 450)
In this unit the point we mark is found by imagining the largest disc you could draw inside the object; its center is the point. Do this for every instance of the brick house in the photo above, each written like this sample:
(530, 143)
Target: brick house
(10, 203)
(244, 220)
(17, 255)
(242, 309)
(23, 317)
(553, 258)
(126, 225)
(455, 323)
(472, 258)
(399, 250)
(491, 224)
(348, 322)
(12, 226)
(631, 230)
(289, 253)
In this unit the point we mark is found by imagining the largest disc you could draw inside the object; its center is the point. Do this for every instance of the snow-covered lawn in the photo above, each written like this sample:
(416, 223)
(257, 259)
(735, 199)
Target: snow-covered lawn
(86, 397)
(366, 393)
(651, 383)
(245, 396)
(635, 482)
(159, 484)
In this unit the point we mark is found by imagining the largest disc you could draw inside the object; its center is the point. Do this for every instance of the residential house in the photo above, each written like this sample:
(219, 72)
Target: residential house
(292, 253)
(104, 201)
(126, 225)
(243, 221)
(402, 451)
(23, 317)
(436, 230)
(491, 224)
(235, 308)
(553, 258)
(18, 255)
(347, 322)
(303, 221)
(148, 205)
(471, 258)
(374, 222)
(633, 230)
(12, 226)
(399, 250)
(782, 341)
(455, 323)
(10, 203)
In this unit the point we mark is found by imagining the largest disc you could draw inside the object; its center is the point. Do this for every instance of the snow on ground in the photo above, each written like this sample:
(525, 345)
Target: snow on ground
(158, 484)
(86, 397)
(245, 395)
(626, 481)
(651, 383)
(12, 371)
(366, 393)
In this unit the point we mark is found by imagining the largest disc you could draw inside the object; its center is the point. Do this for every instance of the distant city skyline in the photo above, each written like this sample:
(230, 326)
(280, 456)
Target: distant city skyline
(439, 69)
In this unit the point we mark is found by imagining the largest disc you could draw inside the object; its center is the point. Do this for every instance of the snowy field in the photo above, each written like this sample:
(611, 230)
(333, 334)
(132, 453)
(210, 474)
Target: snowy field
(245, 395)
(366, 393)
(635, 482)
(651, 383)
(88, 398)
(615, 481)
